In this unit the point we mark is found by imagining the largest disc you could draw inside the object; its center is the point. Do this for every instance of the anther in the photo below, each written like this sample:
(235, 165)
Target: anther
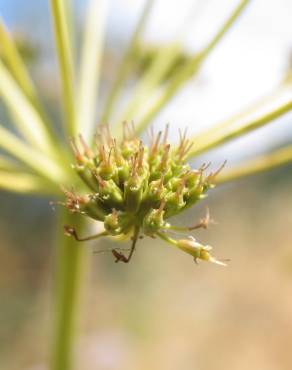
(87, 151)
(78, 156)
(165, 156)
(165, 134)
(156, 143)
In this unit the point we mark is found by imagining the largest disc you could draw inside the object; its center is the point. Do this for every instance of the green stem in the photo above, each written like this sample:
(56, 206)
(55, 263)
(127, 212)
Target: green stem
(13, 59)
(167, 239)
(70, 255)
(27, 183)
(90, 64)
(27, 119)
(149, 82)
(18, 70)
(257, 165)
(189, 70)
(36, 160)
(213, 131)
(66, 64)
(126, 63)
(224, 29)
(243, 129)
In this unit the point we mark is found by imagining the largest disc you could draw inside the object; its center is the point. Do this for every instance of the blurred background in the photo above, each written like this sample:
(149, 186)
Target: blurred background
(162, 311)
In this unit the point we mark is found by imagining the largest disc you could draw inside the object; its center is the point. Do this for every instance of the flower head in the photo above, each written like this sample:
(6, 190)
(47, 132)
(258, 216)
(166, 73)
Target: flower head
(134, 188)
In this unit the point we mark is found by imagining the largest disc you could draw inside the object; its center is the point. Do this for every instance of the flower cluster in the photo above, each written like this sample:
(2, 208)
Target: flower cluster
(135, 189)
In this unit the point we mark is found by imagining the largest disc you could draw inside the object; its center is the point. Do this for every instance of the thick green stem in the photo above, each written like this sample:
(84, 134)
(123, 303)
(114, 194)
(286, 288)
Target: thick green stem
(69, 256)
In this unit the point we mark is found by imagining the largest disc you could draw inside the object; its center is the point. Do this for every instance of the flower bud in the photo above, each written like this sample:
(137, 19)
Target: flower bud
(153, 221)
(86, 175)
(133, 192)
(155, 193)
(85, 204)
(110, 193)
(94, 208)
(194, 194)
(197, 250)
(123, 173)
(112, 223)
(174, 202)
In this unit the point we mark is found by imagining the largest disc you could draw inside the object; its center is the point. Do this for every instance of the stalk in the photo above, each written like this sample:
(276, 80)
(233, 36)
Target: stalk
(148, 83)
(16, 66)
(14, 61)
(213, 131)
(190, 70)
(22, 182)
(70, 273)
(41, 164)
(66, 64)
(245, 128)
(89, 74)
(257, 165)
(27, 119)
(126, 64)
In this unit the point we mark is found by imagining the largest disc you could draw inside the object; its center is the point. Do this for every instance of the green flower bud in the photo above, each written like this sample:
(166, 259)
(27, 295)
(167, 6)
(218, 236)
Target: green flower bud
(123, 173)
(154, 194)
(133, 193)
(153, 221)
(86, 175)
(94, 208)
(112, 223)
(106, 169)
(197, 250)
(110, 193)
(87, 205)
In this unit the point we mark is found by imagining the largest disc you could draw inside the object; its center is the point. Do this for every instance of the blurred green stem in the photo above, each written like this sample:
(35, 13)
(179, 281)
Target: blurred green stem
(70, 256)
(215, 130)
(126, 63)
(150, 81)
(226, 26)
(63, 40)
(190, 69)
(253, 166)
(14, 63)
(243, 129)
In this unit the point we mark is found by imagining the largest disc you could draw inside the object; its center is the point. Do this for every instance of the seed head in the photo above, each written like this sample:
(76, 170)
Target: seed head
(134, 189)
